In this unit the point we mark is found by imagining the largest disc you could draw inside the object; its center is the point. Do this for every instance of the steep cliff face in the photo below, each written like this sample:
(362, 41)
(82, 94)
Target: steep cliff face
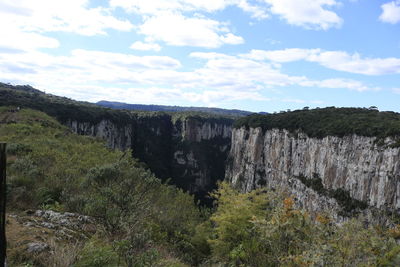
(189, 150)
(117, 136)
(322, 173)
(201, 147)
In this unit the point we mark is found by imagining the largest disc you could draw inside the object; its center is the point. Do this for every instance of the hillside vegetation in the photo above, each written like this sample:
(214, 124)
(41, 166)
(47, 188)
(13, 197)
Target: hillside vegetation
(64, 109)
(51, 168)
(141, 221)
(214, 111)
(329, 121)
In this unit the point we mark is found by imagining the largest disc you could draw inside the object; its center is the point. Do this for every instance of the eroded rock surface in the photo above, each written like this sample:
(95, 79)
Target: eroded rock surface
(191, 151)
(352, 165)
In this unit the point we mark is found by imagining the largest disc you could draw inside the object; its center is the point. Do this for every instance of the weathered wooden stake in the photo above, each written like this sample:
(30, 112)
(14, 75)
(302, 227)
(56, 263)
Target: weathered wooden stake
(3, 189)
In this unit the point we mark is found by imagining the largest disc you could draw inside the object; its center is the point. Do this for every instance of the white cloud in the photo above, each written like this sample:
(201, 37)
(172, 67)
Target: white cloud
(81, 67)
(183, 22)
(256, 11)
(396, 90)
(68, 16)
(232, 39)
(178, 30)
(337, 60)
(390, 12)
(340, 83)
(309, 14)
(95, 75)
(108, 59)
(208, 55)
(342, 61)
(281, 56)
(18, 40)
(25, 23)
(156, 7)
(145, 46)
(314, 14)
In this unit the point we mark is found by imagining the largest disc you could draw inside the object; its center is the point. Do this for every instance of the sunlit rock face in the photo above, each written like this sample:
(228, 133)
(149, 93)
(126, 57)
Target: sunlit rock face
(117, 137)
(276, 158)
(191, 151)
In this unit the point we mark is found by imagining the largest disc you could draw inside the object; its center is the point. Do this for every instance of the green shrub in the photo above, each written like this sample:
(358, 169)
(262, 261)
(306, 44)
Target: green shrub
(391, 258)
(96, 253)
(265, 229)
(17, 149)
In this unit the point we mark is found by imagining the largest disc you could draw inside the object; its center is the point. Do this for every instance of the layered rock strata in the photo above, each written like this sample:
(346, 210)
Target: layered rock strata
(323, 174)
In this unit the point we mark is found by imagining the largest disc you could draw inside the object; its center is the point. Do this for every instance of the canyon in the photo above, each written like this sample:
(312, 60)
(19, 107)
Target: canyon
(350, 168)
(189, 150)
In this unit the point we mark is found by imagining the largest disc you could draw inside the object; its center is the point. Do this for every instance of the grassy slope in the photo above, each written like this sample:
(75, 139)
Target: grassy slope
(42, 151)
(47, 167)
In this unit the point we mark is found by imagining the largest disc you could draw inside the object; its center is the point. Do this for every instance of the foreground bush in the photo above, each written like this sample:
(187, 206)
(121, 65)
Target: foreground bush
(264, 229)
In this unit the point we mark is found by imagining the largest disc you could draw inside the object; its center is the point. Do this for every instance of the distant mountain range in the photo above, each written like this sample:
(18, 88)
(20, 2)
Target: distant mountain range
(137, 107)
(217, 111)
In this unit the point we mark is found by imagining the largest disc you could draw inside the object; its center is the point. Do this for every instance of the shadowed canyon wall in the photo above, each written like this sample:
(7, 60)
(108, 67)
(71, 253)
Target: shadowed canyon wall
(190, 150)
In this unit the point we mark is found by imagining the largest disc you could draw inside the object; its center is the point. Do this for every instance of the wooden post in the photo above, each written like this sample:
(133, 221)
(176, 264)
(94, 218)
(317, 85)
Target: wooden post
(3, 189)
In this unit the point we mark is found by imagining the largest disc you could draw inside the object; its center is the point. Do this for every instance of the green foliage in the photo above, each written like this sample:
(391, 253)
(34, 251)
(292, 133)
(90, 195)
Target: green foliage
(176, 109)
(65, 109)
(346, 201)
(202, 117)
(62, 108)
(153, 134)
(47, 163)
(350, 205)
(329, 121)
(232, 235)
(96, 253)
(174, 219)
(118, 194)
(265, 229)
(135, 206)
(391, 258)
(52, 168)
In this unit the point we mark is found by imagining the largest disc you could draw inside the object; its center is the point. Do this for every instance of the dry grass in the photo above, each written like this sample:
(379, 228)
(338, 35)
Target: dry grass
(61, 252)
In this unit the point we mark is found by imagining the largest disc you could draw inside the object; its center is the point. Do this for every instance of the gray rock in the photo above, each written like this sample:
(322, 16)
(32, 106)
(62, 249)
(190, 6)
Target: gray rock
(185, 163)
(29, 224)
(353, 163)
(48, 225)
(56, 219)
(37, 247)
(117, 136)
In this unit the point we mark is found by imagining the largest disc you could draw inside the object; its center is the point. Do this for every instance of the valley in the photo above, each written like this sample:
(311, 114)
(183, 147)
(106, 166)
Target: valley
(201, 189)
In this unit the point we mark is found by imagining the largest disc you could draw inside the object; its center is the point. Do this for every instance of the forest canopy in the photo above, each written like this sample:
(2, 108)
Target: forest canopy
(330, 121)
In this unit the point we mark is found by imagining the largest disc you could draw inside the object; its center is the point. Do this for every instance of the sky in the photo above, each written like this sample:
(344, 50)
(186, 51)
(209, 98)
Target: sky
(256, 55)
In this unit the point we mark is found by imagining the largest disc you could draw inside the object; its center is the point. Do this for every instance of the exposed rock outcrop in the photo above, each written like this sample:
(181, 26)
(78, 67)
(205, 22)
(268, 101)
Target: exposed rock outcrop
(200, 149)
(190, 150)
(117, 137)
(321, 173)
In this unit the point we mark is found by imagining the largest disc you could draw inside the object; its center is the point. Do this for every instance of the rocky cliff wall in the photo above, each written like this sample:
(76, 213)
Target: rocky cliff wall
(191, 151)
(200, 150)
(117, 136)
(330, 173)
